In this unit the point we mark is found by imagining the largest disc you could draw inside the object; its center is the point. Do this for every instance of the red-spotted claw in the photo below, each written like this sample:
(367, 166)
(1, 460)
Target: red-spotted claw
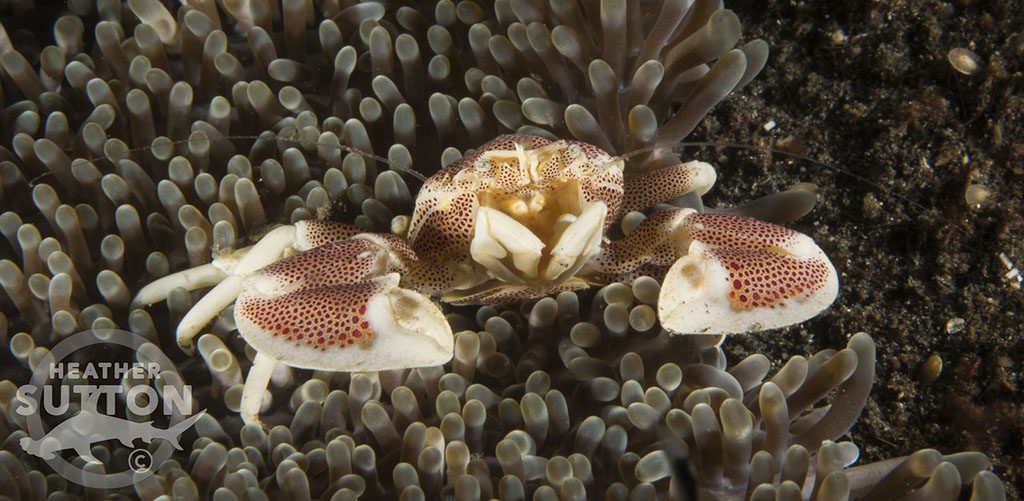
(743, 275)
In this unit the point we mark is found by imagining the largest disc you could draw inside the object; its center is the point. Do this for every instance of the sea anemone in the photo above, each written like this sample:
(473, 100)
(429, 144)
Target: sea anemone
(139, 141)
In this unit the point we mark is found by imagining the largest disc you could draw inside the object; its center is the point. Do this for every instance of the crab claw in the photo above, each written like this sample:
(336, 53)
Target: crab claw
(743, 275)
(337, 307)
(365, 326)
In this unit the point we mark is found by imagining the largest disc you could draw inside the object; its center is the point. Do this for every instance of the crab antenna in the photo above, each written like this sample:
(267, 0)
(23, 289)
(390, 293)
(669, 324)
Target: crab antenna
(680, 146)
(671, 147)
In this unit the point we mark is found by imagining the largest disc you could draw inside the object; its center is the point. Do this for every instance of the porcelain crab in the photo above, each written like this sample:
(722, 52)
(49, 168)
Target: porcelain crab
(520, 218)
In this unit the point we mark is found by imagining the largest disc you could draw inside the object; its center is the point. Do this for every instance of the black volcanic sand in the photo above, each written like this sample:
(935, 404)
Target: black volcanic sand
(866, 89)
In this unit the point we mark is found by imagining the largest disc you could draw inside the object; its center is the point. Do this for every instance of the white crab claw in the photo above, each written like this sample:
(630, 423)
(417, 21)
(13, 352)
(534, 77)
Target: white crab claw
(742, 275)
(417, 332)
(580, 241)
(496, 235)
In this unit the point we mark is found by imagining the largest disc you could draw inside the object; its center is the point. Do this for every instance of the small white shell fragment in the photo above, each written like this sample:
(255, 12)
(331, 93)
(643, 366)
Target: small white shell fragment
(976, 195)
(955, 324)
(1012, 273)
(964, 61)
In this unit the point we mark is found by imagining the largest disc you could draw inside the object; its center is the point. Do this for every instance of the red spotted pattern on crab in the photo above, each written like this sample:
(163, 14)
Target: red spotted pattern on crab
(520, 218)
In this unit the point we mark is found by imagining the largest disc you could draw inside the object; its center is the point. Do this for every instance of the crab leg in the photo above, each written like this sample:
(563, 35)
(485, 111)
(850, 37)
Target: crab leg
(206, 309)
(740, 275)
(269, 249)
(666, 184)
(307, 234)
(206, 275)
(254, 391)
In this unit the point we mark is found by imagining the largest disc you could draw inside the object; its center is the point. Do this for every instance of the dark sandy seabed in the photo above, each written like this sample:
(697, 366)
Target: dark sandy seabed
(866, 89)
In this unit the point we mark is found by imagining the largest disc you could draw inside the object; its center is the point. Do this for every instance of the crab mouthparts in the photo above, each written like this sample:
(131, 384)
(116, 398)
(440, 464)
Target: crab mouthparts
(537, 239)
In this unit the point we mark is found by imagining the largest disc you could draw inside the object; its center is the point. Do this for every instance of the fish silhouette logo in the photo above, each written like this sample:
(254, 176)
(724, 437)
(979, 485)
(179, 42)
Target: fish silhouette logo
(142, 384)
(89, 427)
